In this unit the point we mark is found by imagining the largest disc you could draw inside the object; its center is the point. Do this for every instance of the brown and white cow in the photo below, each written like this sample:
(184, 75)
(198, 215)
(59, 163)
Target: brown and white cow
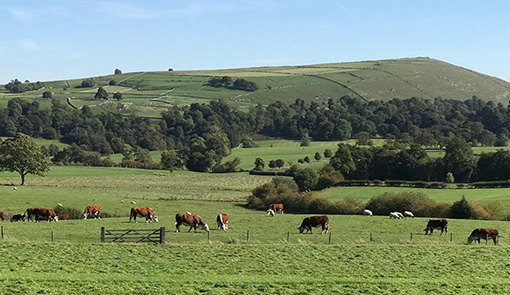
(63, 217)
(193, 221)
(93, 210)
(436, 223)
(314, 221)
(222, 221)
(276, 208)
(148, 213)
(44, 213)
(18, 217)
(483, 233)
(2, 216)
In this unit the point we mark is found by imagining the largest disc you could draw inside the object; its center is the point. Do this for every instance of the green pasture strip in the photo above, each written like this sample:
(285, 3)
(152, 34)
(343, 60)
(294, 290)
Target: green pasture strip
(253, 269)
(363, 194)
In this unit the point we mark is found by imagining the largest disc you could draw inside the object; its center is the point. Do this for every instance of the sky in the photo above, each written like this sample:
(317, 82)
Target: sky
(61, 39)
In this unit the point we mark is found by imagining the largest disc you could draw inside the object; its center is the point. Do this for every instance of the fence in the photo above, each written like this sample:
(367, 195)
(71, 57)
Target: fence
(156, 236)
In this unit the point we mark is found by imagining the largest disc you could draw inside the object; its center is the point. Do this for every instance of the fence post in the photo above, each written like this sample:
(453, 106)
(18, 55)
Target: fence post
(52, 236)
(486, 239)
(102, 234)
(451, 237)
(371, 237)
(411, 236)
(288, 237)
(329, 241)
(161, 234)
(247, 235)
(2, 232)
(208, 237)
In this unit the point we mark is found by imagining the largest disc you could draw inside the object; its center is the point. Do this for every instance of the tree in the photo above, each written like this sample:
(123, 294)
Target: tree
(459, 160)
(21, 154)
(272, 164)
(342, 160)
(170, 161)
(101, 93)
(88, 82)
(306, 179)
(117, 95)
(462, 209)
(317, 156)
(259, 164)
(305, 140)
(449, 177)
(328, 153)
(279, 163)
(47, 94)
(117, 72)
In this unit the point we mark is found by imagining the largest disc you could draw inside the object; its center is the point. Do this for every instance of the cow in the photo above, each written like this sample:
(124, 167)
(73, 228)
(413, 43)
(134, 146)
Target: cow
(222, 221)
(276, 208)
(314, 221)
(193, 221)
(436, 223)
(63, 217)
(270, 212)
(483, 233)
(93, 210)
(408, 214)
(144, 212)
(44, 213)
(367, 212)
(18, 217)
(2, 216)
(396, 215)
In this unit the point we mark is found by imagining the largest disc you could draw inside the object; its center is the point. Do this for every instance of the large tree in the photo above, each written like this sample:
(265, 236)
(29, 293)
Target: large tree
(21, 154)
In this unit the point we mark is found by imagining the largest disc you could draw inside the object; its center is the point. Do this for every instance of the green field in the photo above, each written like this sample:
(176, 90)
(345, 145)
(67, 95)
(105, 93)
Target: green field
(275, 260)
(148, 93)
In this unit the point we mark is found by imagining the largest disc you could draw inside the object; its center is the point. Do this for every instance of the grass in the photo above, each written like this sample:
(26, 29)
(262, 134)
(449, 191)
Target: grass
(268, 263)
(387, 79)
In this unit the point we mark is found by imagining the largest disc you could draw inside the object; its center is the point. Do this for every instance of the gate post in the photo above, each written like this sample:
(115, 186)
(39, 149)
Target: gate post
(161, 235)
(102, 234)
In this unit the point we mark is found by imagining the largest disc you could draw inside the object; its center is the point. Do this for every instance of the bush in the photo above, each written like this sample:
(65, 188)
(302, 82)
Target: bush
(418, 203)
(306, 179)
(462, 210)
(72, 212)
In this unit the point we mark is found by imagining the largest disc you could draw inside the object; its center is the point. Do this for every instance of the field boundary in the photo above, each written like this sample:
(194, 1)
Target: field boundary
(156, 236)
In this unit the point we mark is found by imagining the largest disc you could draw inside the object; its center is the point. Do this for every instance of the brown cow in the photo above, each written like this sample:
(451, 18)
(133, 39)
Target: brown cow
(222, 221)
(144, 212)
(63, 217)
(93, 210)
(314, 221)
(483, 233)
(18, 217)
(188, 219)
(436, 223)
(276, 208)
(45, 213)
(2, 216)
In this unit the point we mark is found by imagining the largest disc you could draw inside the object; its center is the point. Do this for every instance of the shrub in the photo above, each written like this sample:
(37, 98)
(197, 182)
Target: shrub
(306, 179)
(462, 210)
(72, 212)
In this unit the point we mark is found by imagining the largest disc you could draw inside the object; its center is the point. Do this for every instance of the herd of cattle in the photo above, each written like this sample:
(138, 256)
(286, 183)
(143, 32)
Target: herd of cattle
(195, 221)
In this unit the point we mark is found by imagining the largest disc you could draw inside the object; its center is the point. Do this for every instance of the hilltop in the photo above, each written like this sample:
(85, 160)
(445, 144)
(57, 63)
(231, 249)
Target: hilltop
(147, 92)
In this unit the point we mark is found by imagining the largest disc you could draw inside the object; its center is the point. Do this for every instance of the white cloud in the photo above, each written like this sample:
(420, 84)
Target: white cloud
(21, 14)
(27, 44)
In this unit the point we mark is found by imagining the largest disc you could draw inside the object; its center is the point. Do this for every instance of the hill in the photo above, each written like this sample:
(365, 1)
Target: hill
(146, 93)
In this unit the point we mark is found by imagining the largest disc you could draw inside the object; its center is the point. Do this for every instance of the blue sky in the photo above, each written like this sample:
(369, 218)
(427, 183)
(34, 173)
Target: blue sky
(57, 39)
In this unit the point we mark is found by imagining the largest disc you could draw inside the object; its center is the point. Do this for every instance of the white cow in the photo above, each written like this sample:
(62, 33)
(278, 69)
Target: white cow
(408, 214)
(367, 212)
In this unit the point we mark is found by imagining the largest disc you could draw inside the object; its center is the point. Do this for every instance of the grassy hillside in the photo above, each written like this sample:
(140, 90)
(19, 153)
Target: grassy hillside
(148, 93)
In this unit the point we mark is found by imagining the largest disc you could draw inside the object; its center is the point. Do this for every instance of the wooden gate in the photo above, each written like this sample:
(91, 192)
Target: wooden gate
(156, 236)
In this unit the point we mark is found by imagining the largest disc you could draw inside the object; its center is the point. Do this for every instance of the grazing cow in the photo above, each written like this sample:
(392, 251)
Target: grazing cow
(276, 208)
(270, 212)
(314, 221)
(63, 217)
(367, 212)
(408, 214)
(45, 213)
(483, 233)
(396, 215)
(436, 223)
(93, 210)
(222, 221)
(2, 216)
(188, 219)
(18, 217)
(144, 212)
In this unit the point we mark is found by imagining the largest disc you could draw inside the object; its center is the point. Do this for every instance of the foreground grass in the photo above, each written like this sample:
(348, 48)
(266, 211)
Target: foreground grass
(270, 269)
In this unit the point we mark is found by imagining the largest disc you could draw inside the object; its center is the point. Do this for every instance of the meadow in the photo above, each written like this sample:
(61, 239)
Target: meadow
(273, 259)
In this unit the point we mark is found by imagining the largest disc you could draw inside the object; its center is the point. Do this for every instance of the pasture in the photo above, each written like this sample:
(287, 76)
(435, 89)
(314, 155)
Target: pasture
(268, 263)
